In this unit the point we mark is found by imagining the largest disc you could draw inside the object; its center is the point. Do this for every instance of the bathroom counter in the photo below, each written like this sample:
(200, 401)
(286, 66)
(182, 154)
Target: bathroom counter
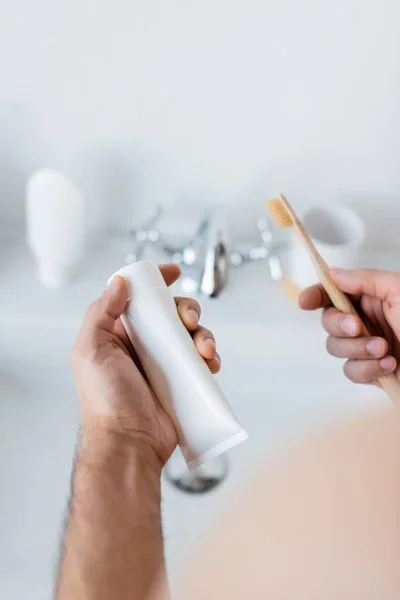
(276, 373)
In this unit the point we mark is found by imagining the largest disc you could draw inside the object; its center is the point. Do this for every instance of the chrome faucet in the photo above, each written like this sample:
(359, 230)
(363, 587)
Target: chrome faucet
(207, 256)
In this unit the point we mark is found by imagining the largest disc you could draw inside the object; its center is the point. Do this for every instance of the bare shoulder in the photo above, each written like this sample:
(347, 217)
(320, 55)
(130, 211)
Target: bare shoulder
(321, 522)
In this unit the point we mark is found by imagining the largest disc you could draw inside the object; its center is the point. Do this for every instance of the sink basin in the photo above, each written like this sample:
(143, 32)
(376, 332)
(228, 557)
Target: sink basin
(276, 375)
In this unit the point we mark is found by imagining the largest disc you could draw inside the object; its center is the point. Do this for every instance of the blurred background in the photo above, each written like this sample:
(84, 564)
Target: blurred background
(202, 109)
(211, 101)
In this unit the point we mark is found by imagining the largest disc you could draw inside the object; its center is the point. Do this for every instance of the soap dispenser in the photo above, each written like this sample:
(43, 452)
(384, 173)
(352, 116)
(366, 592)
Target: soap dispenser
(55, 217)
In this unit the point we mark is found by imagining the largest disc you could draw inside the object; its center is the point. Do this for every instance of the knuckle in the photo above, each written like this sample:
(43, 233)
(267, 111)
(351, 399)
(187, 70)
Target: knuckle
(393, 283)
(359, 346)
(93, 308)
(96, 304)
(86, 349)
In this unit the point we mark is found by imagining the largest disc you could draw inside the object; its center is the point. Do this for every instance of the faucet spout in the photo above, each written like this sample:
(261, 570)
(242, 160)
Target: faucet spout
(216, 261)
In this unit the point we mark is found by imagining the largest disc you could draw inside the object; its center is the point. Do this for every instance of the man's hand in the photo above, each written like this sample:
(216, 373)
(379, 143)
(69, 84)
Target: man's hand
(113, 392)
(376, 294)
(114, 546)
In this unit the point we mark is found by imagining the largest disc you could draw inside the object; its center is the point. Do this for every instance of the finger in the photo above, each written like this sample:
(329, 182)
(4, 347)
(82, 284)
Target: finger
(340, 325)
(170, 272)
(368, 371)
(379, 284)
(214, 364)
(189, 311)
(109, 307)
(314, 297)
(205, 343)
(357, 348)
(120, 332)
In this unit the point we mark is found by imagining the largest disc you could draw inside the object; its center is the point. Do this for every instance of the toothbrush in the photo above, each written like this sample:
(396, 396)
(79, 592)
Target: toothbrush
(284, 216)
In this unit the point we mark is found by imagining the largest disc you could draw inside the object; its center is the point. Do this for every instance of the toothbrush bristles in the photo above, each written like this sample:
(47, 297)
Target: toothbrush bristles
(279, 213)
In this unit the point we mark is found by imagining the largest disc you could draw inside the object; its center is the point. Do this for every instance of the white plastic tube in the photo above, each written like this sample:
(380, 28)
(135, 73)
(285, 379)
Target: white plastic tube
(179, 377)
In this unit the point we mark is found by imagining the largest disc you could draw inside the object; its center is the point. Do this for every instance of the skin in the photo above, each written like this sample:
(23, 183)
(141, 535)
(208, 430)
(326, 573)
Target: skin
(377, 294)
(324, 521)
(114, 546)
(321, 523)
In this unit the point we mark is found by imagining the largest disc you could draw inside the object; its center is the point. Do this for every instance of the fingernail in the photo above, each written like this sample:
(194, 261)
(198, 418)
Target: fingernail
(349, 326)
(217, 358)
(210, 342)
(388, 363)
(193, 313)
(113, 284)
(375, 347)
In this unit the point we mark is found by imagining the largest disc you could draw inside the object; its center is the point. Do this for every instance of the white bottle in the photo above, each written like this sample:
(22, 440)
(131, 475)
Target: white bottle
(181, 380)
(55, 225)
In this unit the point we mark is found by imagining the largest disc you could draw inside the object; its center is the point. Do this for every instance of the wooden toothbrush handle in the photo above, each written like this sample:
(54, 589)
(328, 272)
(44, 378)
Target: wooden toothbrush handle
(389, 383)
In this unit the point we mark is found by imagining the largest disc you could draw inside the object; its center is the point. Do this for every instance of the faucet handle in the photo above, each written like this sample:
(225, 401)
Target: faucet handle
(268, 249)
(144, 233)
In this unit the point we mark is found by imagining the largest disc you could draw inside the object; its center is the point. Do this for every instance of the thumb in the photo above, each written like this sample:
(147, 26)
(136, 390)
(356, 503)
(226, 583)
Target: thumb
(379, 284)
(109, 307)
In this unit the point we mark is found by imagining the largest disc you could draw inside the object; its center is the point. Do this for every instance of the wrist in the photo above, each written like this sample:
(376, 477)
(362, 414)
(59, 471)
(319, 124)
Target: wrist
(102, 445)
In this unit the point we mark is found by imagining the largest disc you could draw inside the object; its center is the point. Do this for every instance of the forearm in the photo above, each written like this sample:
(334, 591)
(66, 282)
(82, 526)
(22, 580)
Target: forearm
(114, 546)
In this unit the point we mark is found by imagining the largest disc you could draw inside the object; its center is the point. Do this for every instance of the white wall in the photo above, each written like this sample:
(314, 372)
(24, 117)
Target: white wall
(223, 100)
